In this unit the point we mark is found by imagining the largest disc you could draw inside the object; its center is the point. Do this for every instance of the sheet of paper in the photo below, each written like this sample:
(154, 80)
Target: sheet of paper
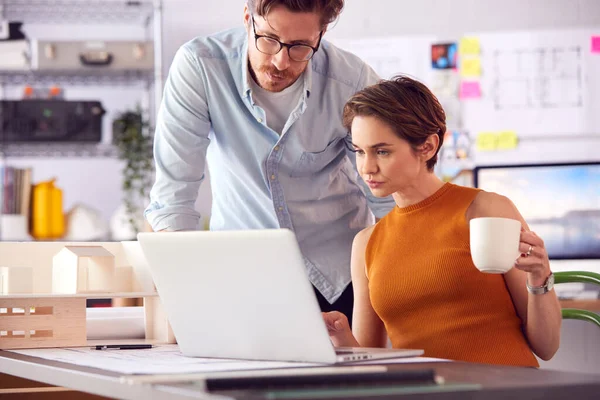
(358, 367)
(322, 370)
(407, 360)
(595, 44)
(469, 46)
(162, 359)
(167, 359)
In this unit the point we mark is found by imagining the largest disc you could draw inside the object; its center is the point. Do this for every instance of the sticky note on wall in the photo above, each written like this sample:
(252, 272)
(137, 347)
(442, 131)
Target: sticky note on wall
(469, 46)
(595, 45)
(470, 67)
(492, 141)
(507, 140)
(469, 90)
(487, 141)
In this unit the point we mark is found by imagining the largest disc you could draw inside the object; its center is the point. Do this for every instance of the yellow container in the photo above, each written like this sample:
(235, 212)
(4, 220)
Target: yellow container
(47, 218)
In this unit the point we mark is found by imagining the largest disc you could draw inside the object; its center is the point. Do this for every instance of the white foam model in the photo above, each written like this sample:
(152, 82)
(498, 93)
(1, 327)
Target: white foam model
(16, 280)
(83, 269)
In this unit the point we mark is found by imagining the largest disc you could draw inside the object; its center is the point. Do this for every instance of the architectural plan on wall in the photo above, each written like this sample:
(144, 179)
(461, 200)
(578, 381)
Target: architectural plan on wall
(389, 56)
(544, 77)
(537, 83)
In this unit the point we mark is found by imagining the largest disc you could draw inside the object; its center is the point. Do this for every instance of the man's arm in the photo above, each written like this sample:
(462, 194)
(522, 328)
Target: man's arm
(180, 143)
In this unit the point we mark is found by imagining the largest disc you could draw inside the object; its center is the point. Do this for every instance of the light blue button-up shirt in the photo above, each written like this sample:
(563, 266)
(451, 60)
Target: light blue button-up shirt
(304, 179)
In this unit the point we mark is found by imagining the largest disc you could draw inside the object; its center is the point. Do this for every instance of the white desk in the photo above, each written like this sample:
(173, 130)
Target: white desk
(479, 382)
(84, 379)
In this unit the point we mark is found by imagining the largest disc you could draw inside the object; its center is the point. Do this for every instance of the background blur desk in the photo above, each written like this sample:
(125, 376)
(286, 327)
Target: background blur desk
(590, 305)
(481, 382)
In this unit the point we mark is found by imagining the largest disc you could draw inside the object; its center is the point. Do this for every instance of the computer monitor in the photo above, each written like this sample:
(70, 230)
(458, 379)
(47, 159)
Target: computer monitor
(560, 203)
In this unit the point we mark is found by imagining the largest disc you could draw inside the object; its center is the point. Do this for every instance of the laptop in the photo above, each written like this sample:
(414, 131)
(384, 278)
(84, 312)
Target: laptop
(244, 295)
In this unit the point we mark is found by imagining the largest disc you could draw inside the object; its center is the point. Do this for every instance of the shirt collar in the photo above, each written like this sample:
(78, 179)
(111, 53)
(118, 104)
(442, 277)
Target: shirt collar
(245, 73)
(308, 77)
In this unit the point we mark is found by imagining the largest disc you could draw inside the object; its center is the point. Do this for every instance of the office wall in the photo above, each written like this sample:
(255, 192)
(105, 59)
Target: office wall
(185, 19)
(449, 19)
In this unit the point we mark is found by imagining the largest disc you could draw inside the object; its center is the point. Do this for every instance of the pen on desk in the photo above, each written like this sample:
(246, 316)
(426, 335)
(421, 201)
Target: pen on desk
(124, 347)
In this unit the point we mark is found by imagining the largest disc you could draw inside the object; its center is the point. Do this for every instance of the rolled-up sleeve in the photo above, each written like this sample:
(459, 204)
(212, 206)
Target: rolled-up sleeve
(180, 144)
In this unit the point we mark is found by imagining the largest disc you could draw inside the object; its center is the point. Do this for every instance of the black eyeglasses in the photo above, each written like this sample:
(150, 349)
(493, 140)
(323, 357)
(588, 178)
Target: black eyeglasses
(272, 46)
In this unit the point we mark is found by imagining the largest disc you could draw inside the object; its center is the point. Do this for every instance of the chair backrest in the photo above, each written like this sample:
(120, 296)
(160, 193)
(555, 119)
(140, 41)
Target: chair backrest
(580, 277)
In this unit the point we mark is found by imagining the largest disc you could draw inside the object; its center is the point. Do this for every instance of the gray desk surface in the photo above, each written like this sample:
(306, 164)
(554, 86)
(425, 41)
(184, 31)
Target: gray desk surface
(464, 380)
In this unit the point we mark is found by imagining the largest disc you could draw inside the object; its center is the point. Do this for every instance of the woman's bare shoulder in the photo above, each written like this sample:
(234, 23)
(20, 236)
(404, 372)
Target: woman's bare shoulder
(362, 238)
(490, 204)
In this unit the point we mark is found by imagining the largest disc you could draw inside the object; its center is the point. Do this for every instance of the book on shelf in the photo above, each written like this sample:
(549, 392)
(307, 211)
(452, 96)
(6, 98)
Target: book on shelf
(15, 190)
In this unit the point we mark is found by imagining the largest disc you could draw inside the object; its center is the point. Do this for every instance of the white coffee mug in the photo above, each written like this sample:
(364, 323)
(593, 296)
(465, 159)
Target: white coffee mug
(494, 243)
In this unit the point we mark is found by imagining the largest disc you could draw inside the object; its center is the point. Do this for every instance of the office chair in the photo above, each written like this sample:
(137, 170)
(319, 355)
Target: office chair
(581, 277)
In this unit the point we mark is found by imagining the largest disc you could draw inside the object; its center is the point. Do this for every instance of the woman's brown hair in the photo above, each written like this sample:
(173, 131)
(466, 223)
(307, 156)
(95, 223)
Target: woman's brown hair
(406, 105)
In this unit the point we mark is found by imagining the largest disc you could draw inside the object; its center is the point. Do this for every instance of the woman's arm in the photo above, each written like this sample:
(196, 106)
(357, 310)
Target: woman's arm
(366, 324)
(367, 328)
(541, 314)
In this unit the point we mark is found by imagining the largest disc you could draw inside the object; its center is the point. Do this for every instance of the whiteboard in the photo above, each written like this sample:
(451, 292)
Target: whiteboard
(537, 83)
(389, 56)
(543, 85)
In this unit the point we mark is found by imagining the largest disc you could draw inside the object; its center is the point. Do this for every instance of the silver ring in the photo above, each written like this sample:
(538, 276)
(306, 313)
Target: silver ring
(529, 251)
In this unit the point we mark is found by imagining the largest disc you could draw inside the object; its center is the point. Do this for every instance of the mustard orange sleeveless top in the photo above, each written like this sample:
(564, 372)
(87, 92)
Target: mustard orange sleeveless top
(425, 288)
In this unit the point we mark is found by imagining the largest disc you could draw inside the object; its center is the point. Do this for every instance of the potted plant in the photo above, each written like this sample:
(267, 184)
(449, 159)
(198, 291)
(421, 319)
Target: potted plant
(131, 136)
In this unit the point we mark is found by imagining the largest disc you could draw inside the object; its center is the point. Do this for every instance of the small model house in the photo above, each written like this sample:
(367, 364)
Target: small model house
(38, 319)
(83, 269)
(15, 280)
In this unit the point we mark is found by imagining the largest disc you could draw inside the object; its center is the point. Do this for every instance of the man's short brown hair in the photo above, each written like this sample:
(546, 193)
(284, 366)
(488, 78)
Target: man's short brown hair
(406, 105)
(329, 9)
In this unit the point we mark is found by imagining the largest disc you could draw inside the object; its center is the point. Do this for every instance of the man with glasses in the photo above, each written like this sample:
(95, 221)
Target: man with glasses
(268, 100)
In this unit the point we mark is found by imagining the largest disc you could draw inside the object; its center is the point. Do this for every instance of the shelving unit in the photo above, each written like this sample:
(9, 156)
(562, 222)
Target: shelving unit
(88, 150)
(145, 13)
(85, 78)
(59, 320)
(79, 11)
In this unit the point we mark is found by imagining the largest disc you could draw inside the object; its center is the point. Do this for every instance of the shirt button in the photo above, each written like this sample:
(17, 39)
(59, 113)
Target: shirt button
(280, 208)
(276, 148)
(272, 177)
(259, 120)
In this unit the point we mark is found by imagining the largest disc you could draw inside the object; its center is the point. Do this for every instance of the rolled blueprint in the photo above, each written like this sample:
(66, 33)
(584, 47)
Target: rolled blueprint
(115, 323)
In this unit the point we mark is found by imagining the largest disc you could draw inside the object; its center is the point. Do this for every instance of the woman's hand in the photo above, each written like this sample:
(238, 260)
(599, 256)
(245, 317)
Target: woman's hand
(533, 258)
(339, 329)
